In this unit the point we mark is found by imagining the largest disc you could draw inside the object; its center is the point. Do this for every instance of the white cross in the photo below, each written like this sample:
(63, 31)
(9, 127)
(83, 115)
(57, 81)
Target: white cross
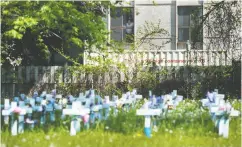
(168, 102)
(135, 96)
(43, 94)
(50, 107)
(8, 111)
(89, 99)
(85, 100)
(43, 103)
(71, 99)
(96, 110)
(107, 104)
(16, 99)
(81, 98)
(212, 98)
(87, 93)
(58, 103)
(171, 101)
(148, 113)
(126, 100)
(219, 110)
(21, 116)
(77, 110)
(6, 107)
(174, 93)
(38, 107)
(217, 106)
(29, 111)
(114, 103)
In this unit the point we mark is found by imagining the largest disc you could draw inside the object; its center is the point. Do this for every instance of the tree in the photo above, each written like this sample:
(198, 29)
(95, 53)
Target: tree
(221, 22)
(33, 30)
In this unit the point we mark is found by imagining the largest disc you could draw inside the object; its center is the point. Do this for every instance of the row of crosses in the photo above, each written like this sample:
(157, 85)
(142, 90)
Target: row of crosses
(88, 107)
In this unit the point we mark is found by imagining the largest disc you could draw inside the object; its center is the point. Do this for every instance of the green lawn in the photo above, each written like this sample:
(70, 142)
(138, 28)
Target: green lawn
(187, 126)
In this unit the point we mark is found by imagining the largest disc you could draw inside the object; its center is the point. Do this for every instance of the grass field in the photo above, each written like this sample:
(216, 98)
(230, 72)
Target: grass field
(187, 126)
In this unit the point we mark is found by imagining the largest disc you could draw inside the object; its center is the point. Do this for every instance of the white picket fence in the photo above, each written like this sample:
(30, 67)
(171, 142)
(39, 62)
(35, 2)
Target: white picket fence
(166, 57)
(35, 76)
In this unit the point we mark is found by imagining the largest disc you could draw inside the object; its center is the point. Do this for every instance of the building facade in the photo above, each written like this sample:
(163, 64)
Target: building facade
(182, 42)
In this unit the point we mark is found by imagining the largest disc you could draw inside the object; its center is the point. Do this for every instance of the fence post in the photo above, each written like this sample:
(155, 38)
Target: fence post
(14, 69)
(188, 60)
(188, 50)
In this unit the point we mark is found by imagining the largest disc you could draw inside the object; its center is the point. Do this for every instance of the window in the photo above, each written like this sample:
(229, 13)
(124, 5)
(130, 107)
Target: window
(189, 19)
(122, 24)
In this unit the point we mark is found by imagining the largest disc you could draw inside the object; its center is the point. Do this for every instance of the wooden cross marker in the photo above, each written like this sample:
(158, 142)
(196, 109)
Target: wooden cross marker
(147, 113)
(43, 105)
(98, 103)
(58, 102)
(106, 107)
(81, 98)
(22, 97)
(174, 94)
(114, 104)
(29, 111)
(126, 101)
(43, 94)
(38, 107)
(170, 101)
(50, 107)
(35, 94)
(21, 118)
(168, 104)
(87, 93)
(6, 108)
(96, 112)
(16, 99)
(129, 99)
(76, 110)
(150, 94)
(14, 122)
(95, 108)
(222, 112)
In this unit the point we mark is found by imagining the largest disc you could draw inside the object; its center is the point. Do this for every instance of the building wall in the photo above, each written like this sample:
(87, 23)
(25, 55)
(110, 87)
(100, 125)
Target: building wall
(166, 11)
(163, 11)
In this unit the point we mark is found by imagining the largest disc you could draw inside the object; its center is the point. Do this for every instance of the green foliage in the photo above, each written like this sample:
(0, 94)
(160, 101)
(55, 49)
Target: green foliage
(37, 29)
(199, 80)
(191, 82)
(223, 19)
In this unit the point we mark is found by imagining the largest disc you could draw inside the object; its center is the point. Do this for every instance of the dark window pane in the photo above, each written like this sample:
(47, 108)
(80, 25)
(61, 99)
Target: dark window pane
(122, 24)
(183, 10)
(189, 17)
(116, 25)
(183, 34)
(116, 28)
(183, 20)
(128, 23)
